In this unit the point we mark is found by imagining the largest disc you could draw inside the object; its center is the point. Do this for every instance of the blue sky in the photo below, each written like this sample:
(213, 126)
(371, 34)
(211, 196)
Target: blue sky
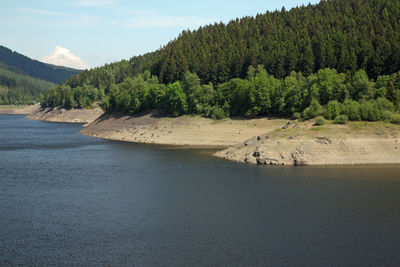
(90, 33)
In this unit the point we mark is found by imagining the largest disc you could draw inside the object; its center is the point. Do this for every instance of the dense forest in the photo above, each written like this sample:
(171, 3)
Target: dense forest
(18, 88)
(34, 68)
(335, 58)
(340, 34)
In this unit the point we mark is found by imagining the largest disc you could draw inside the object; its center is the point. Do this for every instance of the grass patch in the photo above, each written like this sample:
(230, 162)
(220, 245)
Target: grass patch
(317, 129)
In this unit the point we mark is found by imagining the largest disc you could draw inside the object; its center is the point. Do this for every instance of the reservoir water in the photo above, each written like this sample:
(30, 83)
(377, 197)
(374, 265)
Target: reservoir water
(71, 200)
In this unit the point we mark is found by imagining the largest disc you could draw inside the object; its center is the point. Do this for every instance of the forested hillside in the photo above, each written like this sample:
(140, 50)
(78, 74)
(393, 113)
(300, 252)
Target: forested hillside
(18, 88)
(346, 35)
(336, 58)
(34, 68)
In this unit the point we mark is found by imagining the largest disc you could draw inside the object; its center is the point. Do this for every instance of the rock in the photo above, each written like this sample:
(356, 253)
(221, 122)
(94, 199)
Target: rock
(250, 142)
(297, 162)
(323, 140)
(267, 161)
(287, 125)
(297, 158)
(258, 138)
(261, 161)
(272, 161)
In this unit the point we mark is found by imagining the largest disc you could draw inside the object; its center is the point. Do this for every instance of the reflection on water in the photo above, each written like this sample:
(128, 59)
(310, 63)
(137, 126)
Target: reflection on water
(67, 199)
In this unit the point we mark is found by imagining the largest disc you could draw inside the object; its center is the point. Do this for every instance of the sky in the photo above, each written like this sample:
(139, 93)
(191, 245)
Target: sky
(89, 33)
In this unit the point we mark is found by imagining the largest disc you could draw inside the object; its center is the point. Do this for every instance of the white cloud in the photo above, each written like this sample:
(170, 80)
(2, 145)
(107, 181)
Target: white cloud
(63, 57)
(95, 3)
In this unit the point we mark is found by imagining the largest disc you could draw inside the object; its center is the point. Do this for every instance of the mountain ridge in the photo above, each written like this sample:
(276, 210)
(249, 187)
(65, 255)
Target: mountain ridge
(35, 68)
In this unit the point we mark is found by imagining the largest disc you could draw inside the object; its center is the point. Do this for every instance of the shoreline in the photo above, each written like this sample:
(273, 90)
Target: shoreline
(262, 141)
(187, 131)
(303, 144)
(18, 109)
(82, 116)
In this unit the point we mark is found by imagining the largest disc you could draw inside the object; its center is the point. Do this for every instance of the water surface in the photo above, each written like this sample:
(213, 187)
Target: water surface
(71, 200)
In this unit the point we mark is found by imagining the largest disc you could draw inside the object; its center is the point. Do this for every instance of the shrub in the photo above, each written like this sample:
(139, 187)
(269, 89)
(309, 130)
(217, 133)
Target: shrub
(217, 113)
(395, 118)
(391, 117)
(351, 108)
(315, 109)
(296, 116)
(319, 121)
(384, 104)
(341, 119)
(369, 111)
(333, 109)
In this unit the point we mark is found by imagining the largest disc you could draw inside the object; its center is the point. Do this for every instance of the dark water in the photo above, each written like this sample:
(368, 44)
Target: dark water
(71, 200)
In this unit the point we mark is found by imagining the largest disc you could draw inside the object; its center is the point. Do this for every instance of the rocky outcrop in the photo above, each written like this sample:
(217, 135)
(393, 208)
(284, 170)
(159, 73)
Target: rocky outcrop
(333, 145)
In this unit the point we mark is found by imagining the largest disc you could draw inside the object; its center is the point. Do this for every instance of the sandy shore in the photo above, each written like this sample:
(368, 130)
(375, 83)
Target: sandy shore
(302, 144)
(155, 128)
(18, 110)
(264, 141)
(63, 115)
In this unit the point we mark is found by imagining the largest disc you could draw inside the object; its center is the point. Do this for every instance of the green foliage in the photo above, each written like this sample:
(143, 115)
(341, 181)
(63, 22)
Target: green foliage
(18, 88)
(217, 113)
(175, 99)
(360, 87)
(333, 109)
(336, 34)
(296, 116)
(394, 118)
(192, 88)
(330, 86)
(319, 121)
(341, 119)
(259, 94)
(314, 110)
(237, 93)
(352, 109)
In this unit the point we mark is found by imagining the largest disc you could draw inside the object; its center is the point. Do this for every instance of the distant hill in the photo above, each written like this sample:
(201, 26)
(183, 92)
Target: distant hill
(19, 88)
(23, 80)
(30, 67)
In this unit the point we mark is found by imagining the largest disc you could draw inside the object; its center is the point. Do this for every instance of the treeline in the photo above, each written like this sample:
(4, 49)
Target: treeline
(34, 68)
(18, 88)
(90, 86)
(340, 34)
(67, 97)
(114, 73)
(325, 93)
